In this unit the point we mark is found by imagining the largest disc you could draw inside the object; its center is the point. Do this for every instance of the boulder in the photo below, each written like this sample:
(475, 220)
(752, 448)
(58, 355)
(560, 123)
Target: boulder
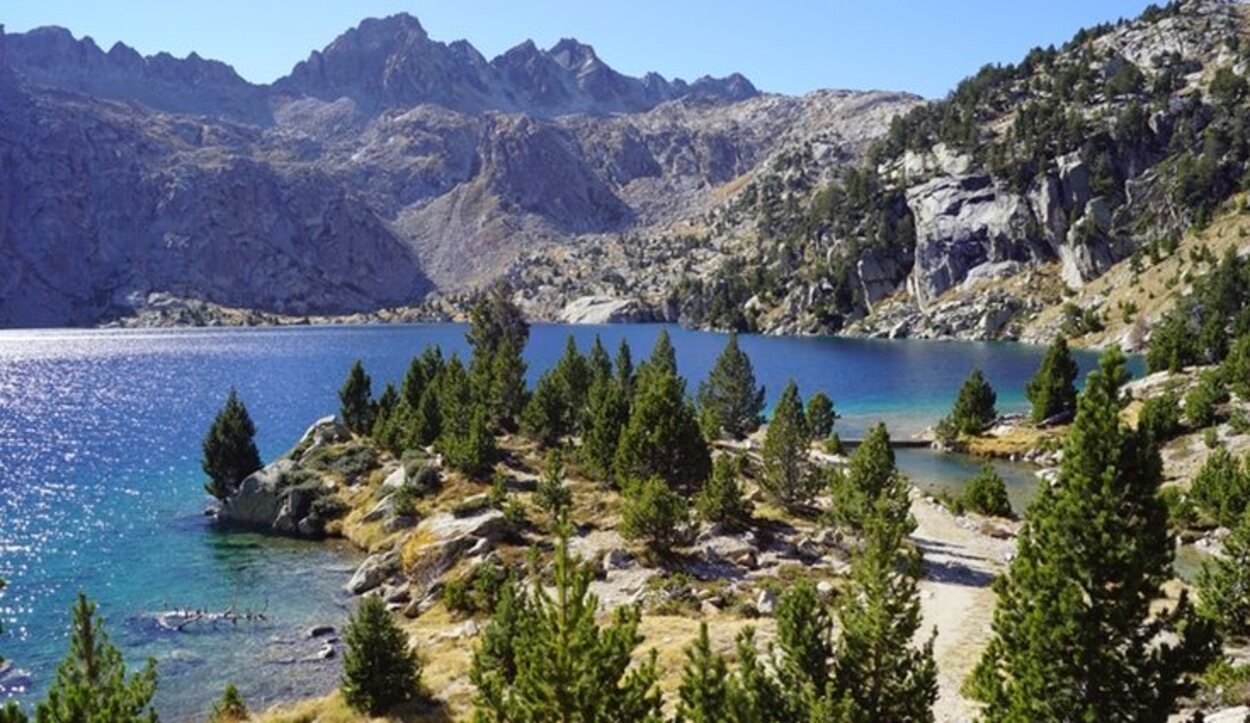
(766, 602)
(260, 497)
(373, 572)
(606, 310)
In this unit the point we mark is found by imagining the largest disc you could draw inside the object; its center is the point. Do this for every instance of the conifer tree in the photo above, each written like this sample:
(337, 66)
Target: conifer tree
(547, 658)
(427, 423)
(731, 394)
(877, 674)
(507, 396)
(1074, 634)
(805, 643)
(545, 418)
(473, 450)
(662, 437)
(820, 416)
(91, 685)
(379, 669)
(1221, 489)
(722, 499)
(870, 476)
(356, 400)
(414, 383)
(1052, 391)
(230, 709)
(663, 359)
(654, 514)
(384, 409)
(1224, 583)
(455, 401)
(573, 373)
(754, 693)
(598, 362)
(986, 494)
(705, 694)
(787, 475)
(624, 365)
(230, 453)
(609, 412)
(974, 409)
(551, 493)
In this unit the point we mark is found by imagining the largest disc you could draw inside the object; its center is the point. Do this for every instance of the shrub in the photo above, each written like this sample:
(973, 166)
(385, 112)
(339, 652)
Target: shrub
(1221, 489)
(987, 494)
(1160, 417)
(1202, 400)
(230, 709)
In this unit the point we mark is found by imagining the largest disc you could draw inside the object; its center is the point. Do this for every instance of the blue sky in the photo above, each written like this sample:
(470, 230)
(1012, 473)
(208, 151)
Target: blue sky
(789, 46)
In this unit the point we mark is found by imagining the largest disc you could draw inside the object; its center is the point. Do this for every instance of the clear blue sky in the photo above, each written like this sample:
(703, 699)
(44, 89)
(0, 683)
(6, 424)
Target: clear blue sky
(789, 46)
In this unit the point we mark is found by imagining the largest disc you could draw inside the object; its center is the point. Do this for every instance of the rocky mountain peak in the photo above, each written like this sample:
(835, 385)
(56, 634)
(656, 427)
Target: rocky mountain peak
(574, 55)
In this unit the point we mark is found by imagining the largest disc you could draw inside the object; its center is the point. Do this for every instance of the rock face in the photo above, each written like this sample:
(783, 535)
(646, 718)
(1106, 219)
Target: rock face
(606, 310)
(961, 223)
(385, 166)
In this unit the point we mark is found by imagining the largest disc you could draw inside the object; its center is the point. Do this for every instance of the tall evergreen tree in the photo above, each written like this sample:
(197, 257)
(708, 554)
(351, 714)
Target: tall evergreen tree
(820, 416)
(495, 319)
(1052, 391)
(230, 453)
(877, 675)
(414, 382)
(473, 450)
(91, 685)
(356, 400)
(705, 693)
(722, 500)
(574, 375)
(662, 438)
(1224, 583)
(497, 335)
(1074, 634)
(545, 418)
(663, 359)
(549, 660)
(870, 476)
(805, 643)
(609, 412)
(384, 409)
(731, 394)
(598, 361)
(974, 409)
(379, 669)
(507, 396)
(787, 476)
(427, 422)
(624, 365)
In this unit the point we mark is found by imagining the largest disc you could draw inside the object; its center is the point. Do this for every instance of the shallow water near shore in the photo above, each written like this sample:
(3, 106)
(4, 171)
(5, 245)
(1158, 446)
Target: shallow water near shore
(100, 487)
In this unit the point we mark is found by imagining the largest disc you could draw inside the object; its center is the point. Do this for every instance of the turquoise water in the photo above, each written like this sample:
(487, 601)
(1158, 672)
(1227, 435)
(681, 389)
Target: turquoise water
(100, 488)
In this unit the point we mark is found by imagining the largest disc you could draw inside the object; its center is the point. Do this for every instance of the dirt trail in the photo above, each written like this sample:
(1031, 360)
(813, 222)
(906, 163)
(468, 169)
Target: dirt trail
(960, 563)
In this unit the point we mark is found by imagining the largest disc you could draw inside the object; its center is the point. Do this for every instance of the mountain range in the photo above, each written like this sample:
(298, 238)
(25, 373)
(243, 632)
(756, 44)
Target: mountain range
(384, 168)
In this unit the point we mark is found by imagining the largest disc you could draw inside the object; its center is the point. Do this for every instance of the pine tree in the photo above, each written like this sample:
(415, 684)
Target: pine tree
(230, 453)
(663, 359)
(662, 438)
(495, 320)
(754, 694)
(805, 644)
(91, 685)
(655, 515)
(507, 393)
(705, 694)
(877, 675)
(598, 362)
(1074, 634)
(625, 368)
(384, 409)
(986, 494)
(787, 476)
(1052, 391)
(1224, 583)
(573, 373)
(731, 394)
(379, 669)
(230, 709)
(609, 412)
(722, 499)
(547, 659)
(820, 416)
(427, 423)
(455, 404)
(544, 419)
(1221, 489)
(870, 476)
(414, 382)
(974, 409)
(551, 493)
(472, 451)
(356, 400)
